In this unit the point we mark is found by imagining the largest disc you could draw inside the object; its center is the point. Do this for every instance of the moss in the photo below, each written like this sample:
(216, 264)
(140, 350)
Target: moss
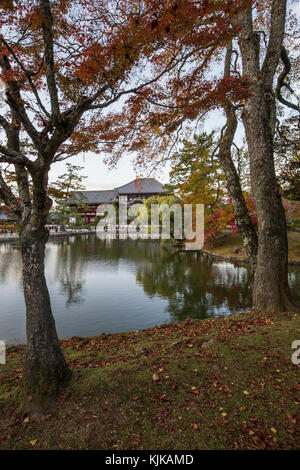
(236, 392)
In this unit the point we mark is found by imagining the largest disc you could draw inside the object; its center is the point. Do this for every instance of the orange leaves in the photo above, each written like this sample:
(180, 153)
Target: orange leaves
(4, 52)
(92, 63)
(234, 88)
(156, 56)
(8, 76)
(158, 39)
(6, 5)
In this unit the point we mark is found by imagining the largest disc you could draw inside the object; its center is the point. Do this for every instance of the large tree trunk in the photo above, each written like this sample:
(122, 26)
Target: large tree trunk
(242, 217)
(46, 370)
(270, 289)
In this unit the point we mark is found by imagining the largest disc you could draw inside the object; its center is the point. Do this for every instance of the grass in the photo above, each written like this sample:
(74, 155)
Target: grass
(222, 384)
(229, 242)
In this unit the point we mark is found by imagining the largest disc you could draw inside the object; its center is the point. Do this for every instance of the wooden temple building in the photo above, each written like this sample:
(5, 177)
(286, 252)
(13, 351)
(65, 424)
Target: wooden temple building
(136, 191)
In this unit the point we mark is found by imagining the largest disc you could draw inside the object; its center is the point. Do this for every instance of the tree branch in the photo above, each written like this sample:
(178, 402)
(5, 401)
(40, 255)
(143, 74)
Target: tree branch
(49, 57)
(9, 198)
(281, 81)
(14, 157)
(16, 103)
(4, 123)
(278, 18)
(29, 76)
(242, 217)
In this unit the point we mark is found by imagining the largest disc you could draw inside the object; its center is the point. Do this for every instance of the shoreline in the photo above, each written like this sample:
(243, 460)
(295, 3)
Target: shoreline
(235, 259)
(14, 238)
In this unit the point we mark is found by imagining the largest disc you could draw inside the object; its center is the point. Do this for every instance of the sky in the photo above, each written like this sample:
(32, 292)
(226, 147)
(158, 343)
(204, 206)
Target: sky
(99, 175)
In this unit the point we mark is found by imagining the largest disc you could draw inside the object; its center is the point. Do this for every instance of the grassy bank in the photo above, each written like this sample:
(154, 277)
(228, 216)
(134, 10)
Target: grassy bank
(228, 244)
(213, 384)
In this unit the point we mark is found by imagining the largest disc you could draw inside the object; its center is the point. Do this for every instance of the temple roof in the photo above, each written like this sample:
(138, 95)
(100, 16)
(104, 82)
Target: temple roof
(138, 186)
(141, 185)
(91, 197)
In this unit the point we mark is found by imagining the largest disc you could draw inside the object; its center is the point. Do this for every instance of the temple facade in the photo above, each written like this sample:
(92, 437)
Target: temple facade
(136, 191)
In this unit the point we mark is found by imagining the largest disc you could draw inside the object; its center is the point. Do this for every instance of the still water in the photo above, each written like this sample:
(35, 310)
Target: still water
(101, 286)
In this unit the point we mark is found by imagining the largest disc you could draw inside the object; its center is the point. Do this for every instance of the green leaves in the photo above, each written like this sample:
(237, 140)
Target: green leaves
(70, 202)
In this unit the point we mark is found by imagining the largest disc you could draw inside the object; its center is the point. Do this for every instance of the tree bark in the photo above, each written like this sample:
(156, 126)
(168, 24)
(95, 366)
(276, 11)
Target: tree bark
(46, 371)
(270, 289)
(242, 217)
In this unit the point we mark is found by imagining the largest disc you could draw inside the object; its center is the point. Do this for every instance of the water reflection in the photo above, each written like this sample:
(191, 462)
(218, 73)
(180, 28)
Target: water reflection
(118, 285)
(196, 286)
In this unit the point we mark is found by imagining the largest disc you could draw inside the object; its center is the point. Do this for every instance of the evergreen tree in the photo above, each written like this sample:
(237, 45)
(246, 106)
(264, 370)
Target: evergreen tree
(70, 202)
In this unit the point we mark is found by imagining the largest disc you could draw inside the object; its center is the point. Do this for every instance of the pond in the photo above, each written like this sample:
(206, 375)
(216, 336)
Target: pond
(107, 286)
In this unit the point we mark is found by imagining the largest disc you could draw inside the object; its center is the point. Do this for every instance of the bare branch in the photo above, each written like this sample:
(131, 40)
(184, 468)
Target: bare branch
(170, 66)
(9, 198)
(14, 157)
(281, 81)
(278, 18)
(24, 191)
(49, 57)
(4, 123)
